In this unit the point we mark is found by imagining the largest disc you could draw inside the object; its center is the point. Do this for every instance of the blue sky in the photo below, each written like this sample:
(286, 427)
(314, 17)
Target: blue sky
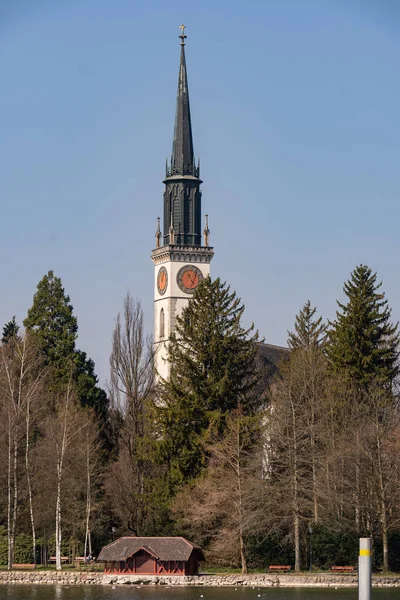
(295, 111)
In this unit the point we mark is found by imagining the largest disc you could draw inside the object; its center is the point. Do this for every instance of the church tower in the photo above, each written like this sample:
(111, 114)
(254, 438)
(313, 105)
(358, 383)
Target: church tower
(180, 259)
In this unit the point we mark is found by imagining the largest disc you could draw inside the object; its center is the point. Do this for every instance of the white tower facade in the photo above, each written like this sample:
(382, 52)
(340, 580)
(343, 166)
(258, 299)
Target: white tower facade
(177, 272)
(180, 259)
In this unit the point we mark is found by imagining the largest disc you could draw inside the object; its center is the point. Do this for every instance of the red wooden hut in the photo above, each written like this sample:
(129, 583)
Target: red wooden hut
(151, 556)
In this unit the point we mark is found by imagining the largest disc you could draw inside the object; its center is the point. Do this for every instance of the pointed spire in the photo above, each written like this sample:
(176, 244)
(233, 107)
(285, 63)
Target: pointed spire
(206, 233)
(182, 159)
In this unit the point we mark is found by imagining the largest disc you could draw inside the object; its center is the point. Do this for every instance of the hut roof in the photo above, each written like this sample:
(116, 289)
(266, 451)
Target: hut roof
(162, 548)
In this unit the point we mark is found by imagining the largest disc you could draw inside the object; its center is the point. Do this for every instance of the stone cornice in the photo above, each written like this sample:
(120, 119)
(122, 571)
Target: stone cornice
(186, 254)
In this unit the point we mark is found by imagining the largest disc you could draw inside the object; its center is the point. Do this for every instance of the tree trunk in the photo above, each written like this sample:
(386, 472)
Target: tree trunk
(67, 434)
(385, 545)
(296, 527)
(382, 493)
(238, 471)
(314, 474)
(58, 519)
(313, 445)
(88, 504)
(15, 484)
(357, 513)
(28, 481)
(295, 499)
(9, 546)
(243, 559)
(60, 461)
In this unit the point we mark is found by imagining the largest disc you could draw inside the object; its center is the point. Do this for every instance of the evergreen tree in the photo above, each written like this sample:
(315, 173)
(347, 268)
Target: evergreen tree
(212, 371)
(10, 330)
(91, 395)
(308, 331)
(55, 328)
(53, 324)
(362, 339)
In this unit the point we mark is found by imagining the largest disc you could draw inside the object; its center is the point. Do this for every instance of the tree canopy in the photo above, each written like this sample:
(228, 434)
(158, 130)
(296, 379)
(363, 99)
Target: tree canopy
(362, 339)
(308, 331)
(212, 372)
(51, 320)
(53, 325)
(10, 330)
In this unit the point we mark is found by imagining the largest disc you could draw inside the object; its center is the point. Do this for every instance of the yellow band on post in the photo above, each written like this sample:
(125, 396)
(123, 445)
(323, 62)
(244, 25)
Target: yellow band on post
(365, 552)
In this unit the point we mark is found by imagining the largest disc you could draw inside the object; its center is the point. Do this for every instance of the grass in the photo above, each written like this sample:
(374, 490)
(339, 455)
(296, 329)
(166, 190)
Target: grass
(305, 573)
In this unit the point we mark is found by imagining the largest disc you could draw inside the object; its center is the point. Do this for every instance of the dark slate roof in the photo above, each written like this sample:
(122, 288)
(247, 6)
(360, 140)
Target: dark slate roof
(164, 548)
(271, 357)
(182, 160)
(273, 354)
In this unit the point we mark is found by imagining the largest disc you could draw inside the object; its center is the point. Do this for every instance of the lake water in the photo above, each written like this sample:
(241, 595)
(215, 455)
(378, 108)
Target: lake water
(44, 592)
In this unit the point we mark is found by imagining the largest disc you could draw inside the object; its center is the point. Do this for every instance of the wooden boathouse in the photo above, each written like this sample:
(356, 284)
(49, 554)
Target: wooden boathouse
(151, 556)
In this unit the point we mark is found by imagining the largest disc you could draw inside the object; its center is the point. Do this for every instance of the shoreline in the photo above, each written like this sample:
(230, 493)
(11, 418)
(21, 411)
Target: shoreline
(262, 580)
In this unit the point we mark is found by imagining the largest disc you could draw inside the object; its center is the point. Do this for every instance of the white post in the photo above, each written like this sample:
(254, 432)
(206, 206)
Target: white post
(364, 570)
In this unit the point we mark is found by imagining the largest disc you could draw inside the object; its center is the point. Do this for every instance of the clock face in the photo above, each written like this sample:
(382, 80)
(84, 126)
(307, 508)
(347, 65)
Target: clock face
(162, 281)
(188, 278)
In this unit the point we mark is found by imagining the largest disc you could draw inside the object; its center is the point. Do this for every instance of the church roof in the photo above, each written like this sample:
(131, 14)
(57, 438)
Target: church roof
(163, 548)
(271, 357)
(271, 353)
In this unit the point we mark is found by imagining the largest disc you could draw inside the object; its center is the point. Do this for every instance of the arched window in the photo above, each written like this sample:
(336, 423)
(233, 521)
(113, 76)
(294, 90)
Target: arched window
(162, 323)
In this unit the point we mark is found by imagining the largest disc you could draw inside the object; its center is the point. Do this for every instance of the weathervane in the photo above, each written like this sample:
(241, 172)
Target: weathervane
(183, 36)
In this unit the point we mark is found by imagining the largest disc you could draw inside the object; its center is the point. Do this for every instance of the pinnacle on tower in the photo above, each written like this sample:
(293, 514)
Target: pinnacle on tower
(206, 233)
(158, 233)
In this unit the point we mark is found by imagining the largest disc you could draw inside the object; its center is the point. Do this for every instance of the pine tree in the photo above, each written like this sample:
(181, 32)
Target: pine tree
(55, 328)
(308, 331)
(10, 330)
(362, 339)
(53, 324)
(91, 395)
(212, 372)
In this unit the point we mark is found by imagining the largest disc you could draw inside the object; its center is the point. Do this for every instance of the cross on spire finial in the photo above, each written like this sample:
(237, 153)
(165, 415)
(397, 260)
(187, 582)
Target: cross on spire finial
(182, 36)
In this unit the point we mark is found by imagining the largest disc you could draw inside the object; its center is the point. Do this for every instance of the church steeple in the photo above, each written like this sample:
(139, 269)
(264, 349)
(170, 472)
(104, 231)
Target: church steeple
(181, 257)
(182, 197)
(182, 158)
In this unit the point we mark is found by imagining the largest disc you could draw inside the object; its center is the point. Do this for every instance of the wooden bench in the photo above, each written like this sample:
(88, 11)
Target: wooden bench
(81, 560)
(344, 569)
(282, 568)
(64, 559)
(23, 566)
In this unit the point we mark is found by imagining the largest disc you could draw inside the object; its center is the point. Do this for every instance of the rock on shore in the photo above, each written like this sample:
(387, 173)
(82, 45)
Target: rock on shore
(256, 580)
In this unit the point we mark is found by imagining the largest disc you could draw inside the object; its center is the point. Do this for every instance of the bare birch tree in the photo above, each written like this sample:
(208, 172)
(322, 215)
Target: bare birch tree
(62, 444)
(21, 376)
(91, 449)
